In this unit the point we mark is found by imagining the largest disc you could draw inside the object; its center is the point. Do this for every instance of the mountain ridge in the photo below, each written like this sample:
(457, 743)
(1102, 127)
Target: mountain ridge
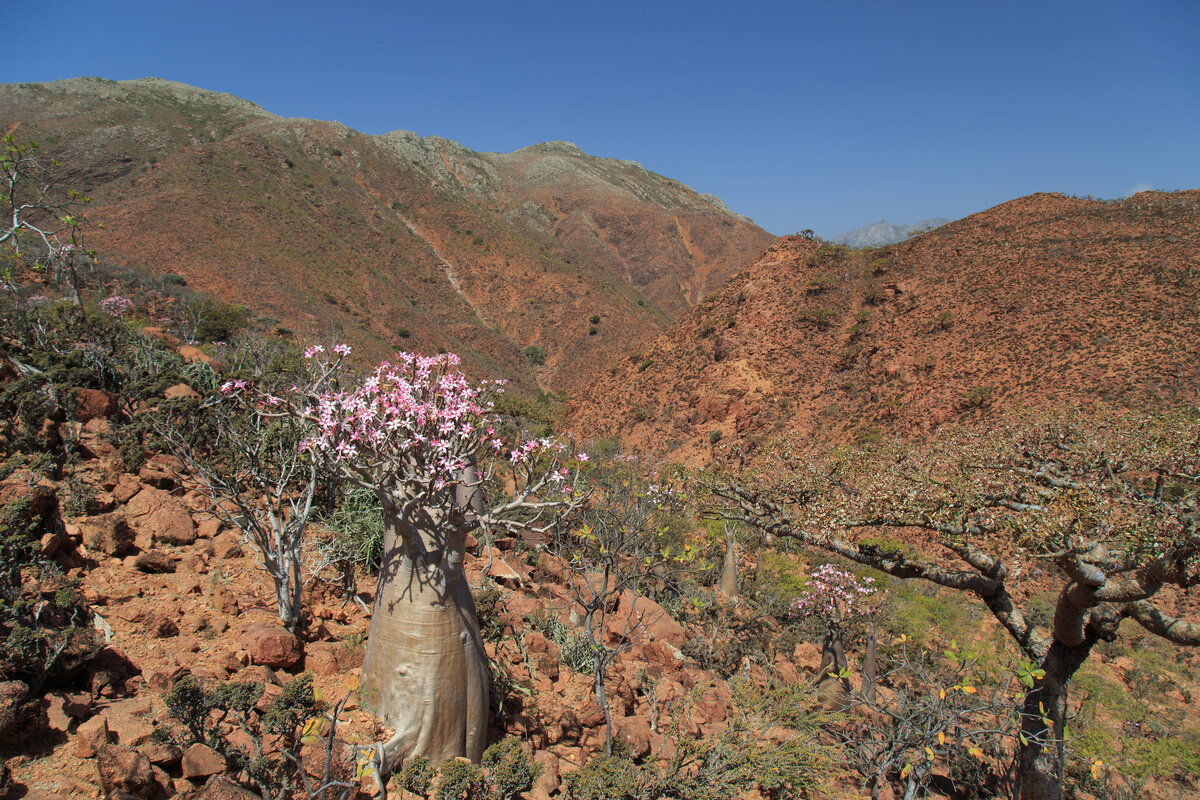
(400, 241)
(881, 233)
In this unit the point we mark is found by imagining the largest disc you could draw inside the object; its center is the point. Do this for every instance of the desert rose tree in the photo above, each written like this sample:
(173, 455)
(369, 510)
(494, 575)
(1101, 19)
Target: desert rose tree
(418, 434)
(835, 597)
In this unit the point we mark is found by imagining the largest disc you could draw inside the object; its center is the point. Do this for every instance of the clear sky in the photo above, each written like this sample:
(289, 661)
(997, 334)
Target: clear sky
(825, 115)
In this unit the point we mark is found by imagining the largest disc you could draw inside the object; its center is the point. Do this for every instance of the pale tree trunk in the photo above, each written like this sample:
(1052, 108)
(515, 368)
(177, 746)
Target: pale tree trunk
(833, 661)
(425, 672)
(729, 575)
(870, 666)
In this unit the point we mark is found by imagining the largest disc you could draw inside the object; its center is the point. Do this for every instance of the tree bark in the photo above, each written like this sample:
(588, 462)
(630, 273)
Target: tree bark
(425, 673)
(1040, 771)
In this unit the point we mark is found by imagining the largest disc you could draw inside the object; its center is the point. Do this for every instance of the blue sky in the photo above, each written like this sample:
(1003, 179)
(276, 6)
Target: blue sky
(801, 115)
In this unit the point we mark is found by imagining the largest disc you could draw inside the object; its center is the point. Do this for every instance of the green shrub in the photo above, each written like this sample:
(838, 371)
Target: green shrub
(535, 355)
(460, 780)
(978, 397)
(595, 319)
(605, 778)
(874, 295)
(209, 713)
(403, 332)
(417, 776)
(821, 317)
(510, 770)
(714, 435)
(920, 610)
(868, 433)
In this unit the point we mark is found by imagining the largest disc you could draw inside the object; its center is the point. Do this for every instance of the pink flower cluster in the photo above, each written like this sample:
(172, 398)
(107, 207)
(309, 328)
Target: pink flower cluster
(116, 306)
(418, 416)
(834, 595)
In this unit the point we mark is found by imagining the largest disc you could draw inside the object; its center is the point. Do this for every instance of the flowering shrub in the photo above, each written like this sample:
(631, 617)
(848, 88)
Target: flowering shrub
(417, 419)
(835, 595)
(116, 306)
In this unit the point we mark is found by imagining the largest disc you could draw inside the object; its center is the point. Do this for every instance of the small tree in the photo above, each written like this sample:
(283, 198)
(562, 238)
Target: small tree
(835, 596)
(41, 222)
(1110, 510)
(418, 434)
(619, 552)
(245, 452)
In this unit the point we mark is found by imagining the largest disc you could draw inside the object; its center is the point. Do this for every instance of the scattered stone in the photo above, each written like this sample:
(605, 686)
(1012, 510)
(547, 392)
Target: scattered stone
(549, 781)
(131, 722)
(208, 528)
(160, 753)
(192, 563)
(14, 701)
(193, 354)
(126, 487)
(200, 761)
(221, 788)
(156, 478)
(93, 403)
(637, 611)
(159, 625)
(272, 646)
(321, 658)
(227, 545)
(108, 533)
(122, 769)
(180, 391)
(161, 516)
(90, 735)
(154, 561)
(162, 680)
(63, 710)
(50, 543)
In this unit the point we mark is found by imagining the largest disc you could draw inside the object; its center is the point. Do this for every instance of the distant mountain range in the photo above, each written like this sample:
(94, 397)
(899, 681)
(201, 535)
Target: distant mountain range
(539, 266)
(883, 232)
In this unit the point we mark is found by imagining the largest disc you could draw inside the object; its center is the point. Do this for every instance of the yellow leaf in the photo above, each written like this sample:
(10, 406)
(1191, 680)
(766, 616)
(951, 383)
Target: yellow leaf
(907, 769)
(969, 689)
(942, 693)
(975, 751)
(1096, 767)
(941, 737)
(929, 752)
(352, 686)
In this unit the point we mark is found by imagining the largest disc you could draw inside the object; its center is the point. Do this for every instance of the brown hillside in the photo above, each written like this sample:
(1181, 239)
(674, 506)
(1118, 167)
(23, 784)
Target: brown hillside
(1041, 301)
(397, 240)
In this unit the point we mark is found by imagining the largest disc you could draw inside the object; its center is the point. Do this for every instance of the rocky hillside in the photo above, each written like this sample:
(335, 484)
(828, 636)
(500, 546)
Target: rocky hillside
(1038, 302)
(543, 255)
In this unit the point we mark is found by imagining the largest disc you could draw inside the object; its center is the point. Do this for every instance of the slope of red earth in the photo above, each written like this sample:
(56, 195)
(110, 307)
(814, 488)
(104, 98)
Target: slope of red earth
(396, 241)
(1042, 301)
